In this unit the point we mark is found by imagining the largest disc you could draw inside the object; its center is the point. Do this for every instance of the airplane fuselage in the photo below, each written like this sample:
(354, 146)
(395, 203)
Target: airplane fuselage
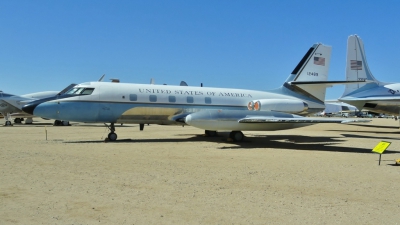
(141, 103)
(380, 99)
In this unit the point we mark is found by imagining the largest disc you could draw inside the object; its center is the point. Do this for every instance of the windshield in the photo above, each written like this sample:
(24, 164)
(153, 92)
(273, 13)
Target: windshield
(80, 91)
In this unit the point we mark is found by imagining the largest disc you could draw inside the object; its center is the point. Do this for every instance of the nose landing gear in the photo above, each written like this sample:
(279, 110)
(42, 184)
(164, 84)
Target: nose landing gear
(112, 136)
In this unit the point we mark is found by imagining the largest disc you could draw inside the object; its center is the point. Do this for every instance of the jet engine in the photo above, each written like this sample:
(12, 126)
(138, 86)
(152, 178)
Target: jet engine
(278, 105)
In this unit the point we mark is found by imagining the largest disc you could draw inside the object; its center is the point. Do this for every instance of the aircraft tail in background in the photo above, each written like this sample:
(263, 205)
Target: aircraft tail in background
(357, 67)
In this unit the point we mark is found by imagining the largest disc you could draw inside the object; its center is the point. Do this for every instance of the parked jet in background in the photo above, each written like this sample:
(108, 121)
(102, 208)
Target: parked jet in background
(211, 109)
(374, 95)
(11, 105)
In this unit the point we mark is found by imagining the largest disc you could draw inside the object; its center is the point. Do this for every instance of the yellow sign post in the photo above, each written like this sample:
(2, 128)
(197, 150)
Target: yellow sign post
(380, 148)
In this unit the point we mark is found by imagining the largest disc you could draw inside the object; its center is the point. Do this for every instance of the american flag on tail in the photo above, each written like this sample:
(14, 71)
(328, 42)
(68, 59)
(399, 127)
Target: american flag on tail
(355, 65)
(319, 61)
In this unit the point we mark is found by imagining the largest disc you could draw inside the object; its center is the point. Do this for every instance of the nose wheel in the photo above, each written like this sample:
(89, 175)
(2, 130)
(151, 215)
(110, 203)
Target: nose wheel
(112, 136)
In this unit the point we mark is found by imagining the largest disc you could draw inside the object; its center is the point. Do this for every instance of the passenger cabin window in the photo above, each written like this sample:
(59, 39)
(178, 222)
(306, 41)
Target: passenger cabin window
(171, 98)
(80, 91)
(207, 100)
(189, 99)
(153, 98)
(133, 97)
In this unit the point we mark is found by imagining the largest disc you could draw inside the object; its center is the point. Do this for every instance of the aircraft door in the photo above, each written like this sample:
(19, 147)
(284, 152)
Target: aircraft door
(106, 114)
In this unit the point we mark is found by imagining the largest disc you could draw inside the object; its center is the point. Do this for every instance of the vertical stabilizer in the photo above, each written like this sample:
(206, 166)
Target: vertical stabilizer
(313, 67)
(357, 66)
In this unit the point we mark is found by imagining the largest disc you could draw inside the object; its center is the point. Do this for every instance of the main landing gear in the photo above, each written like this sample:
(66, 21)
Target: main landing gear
(7, 117)
(18, 120)
(61, 123)
(112, 136)
(210, 133)
(236, 136)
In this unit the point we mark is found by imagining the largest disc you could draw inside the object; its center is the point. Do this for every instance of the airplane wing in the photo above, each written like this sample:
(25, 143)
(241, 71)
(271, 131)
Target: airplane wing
(8, 106)
(255, 120)
(261, 119)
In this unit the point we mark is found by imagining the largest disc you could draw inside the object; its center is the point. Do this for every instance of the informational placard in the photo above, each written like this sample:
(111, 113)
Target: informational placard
(381, 147)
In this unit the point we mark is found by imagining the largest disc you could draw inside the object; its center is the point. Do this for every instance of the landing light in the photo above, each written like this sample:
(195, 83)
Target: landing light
(250, 106)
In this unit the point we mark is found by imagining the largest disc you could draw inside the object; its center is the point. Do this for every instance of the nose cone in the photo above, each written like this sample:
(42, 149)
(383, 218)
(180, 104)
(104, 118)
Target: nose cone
(188, 119)
(30, 107)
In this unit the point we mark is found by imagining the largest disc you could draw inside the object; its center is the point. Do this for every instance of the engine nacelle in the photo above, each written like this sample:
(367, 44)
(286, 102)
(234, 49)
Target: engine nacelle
(278, 105)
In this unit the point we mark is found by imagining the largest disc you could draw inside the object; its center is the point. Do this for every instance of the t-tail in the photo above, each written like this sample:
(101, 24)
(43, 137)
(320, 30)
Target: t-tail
(308, 80)
(357, 67)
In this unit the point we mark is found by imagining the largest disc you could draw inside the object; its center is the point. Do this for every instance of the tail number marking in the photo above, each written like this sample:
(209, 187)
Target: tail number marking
(312, 74)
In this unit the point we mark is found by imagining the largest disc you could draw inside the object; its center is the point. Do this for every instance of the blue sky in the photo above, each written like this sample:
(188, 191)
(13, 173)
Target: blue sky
(46, 45)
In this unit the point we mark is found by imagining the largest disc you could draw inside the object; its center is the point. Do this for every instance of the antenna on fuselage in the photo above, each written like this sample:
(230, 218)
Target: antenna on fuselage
(101, 78)
(114, 80)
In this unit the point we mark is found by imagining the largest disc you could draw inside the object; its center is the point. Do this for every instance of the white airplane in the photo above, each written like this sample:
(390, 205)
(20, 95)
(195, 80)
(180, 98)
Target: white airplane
(11, 105)
(211, 109)
(373, 95)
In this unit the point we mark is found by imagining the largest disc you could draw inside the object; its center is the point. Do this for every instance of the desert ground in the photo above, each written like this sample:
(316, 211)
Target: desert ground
(321, 174)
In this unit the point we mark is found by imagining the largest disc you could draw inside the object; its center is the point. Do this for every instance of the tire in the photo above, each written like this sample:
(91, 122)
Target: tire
(112, 136)
(237, 136)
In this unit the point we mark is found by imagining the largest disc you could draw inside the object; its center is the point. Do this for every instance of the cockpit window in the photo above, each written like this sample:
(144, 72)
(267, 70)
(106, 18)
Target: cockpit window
(87, 91)
(80, 91)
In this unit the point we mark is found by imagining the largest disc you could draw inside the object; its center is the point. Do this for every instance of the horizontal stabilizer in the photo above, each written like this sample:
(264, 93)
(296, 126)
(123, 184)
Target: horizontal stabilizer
(328, 83)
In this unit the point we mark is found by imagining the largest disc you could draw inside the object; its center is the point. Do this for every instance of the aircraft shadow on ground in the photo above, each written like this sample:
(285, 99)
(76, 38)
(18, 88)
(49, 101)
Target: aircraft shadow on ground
(369, 131)
(376, 126)
(369, 137)
(32, 125)
(286, 142)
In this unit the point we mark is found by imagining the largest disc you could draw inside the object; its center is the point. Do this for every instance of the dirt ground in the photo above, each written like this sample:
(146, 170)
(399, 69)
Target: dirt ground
(321, 174)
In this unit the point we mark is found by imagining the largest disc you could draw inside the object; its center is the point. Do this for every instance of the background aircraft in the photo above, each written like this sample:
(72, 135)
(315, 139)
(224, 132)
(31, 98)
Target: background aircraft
(373, 95)
(211, 109)
(11, 105)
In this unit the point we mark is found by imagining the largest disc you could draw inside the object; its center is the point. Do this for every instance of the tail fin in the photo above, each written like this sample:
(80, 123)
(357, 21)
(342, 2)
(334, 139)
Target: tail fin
(357, 66)
(313, 67)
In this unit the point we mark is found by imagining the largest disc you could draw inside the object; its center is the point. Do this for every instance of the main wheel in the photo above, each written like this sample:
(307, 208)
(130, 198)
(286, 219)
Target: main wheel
(57, 123)
(112, 136)
(210, 133)
(236, 135)
(65, 123)
(17, 120)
